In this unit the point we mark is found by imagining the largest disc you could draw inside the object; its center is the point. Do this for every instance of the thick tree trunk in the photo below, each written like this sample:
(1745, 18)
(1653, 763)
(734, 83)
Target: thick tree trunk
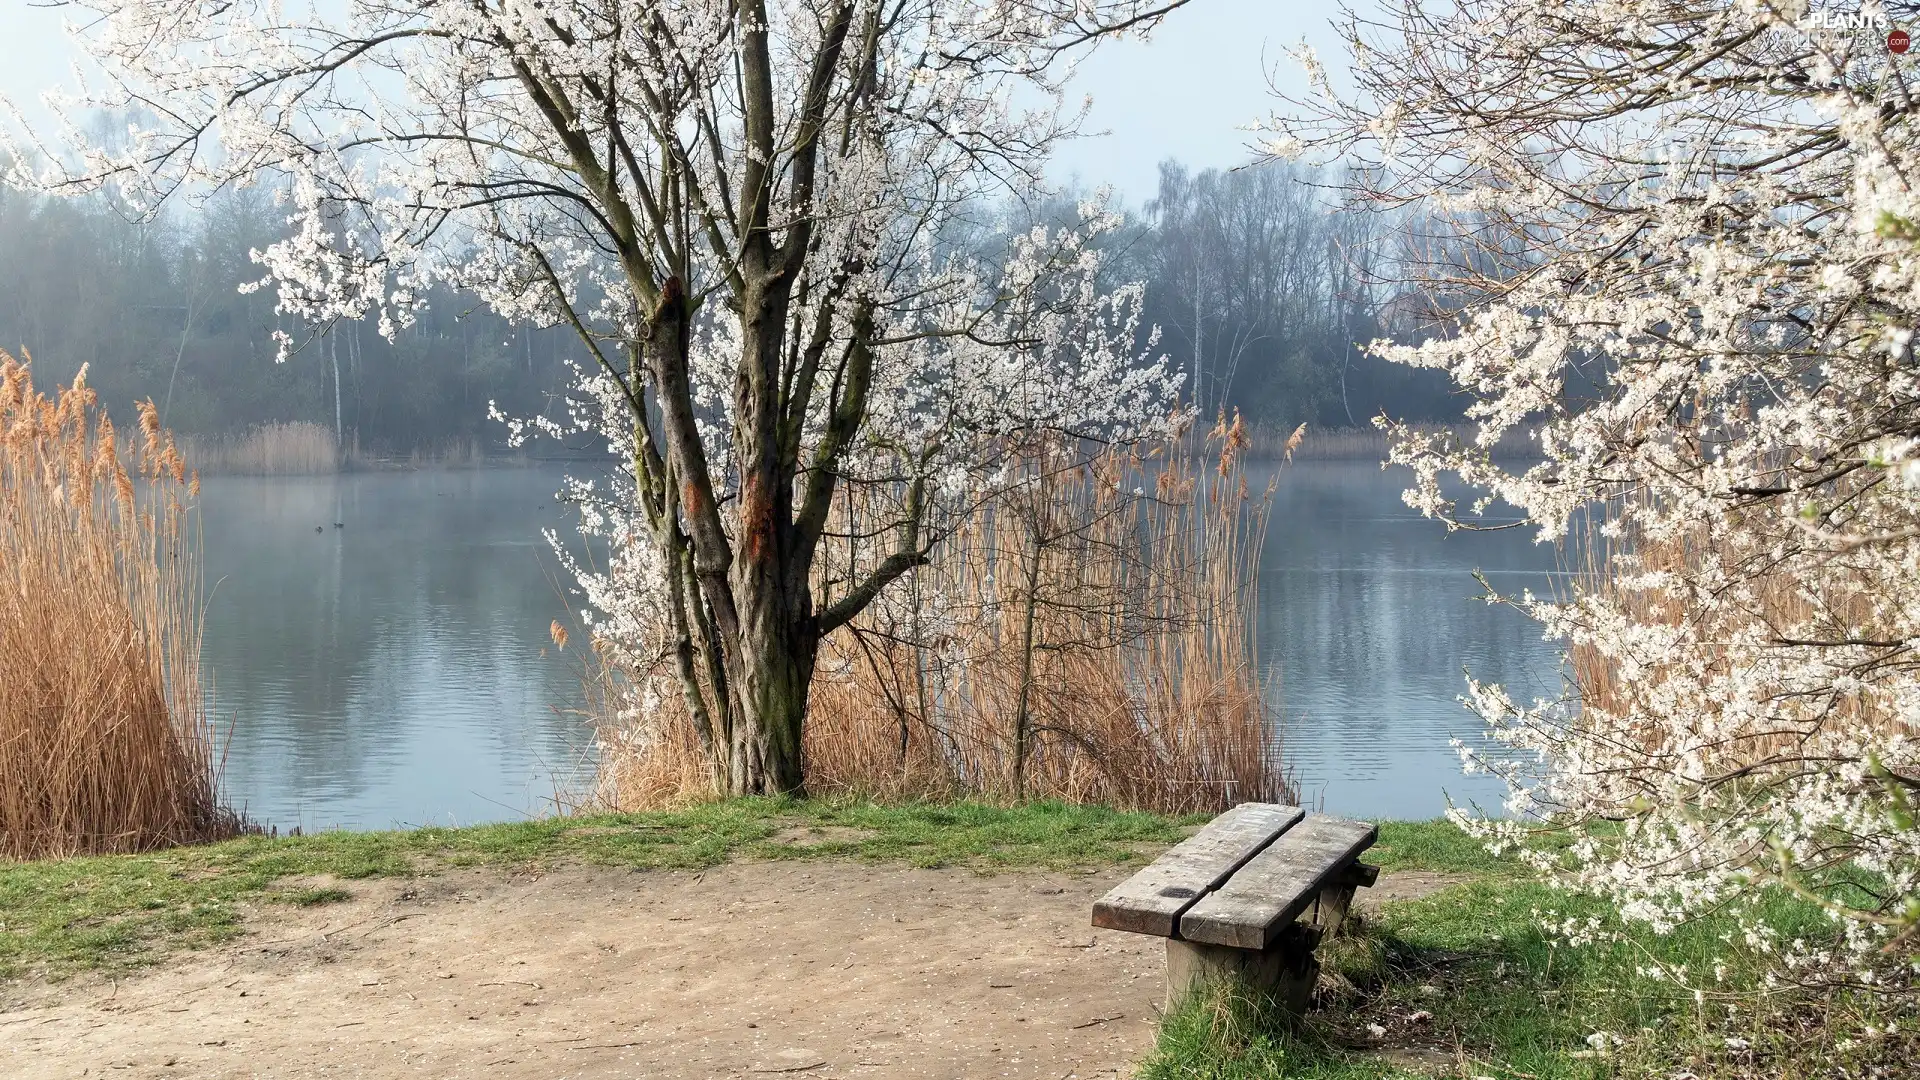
(747, 594)
(777, 639)
(771, 675)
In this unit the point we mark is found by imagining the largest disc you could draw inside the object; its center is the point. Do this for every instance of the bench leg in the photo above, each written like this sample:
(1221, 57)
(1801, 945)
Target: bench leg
(1288, 970)
(1330, 908)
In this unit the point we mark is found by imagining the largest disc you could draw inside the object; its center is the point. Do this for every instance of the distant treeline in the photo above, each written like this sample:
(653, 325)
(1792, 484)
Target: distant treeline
(1261, 292)
(1268, 297)
(155, 309)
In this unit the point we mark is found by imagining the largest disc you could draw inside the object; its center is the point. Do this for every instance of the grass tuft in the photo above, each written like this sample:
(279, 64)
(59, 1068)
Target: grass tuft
(1232, 1032)
(318, 897)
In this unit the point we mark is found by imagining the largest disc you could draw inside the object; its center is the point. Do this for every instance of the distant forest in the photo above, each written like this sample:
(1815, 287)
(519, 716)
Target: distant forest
(1262, 293)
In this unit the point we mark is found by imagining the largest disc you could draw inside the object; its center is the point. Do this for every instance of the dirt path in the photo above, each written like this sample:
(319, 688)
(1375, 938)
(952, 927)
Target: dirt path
(827, 968)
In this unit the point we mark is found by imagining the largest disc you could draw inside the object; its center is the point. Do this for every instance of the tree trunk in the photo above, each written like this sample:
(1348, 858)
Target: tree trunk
(751, 572)
(777, 640)
(751, 598)
(1022, 723)
(339, 434)
(771, 675)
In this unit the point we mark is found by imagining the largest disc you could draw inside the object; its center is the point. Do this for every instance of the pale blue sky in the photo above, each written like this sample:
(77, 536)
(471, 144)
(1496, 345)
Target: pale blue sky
(1185, 94)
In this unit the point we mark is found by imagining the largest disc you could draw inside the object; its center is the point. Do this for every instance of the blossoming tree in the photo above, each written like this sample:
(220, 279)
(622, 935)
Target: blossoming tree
(1682, 261)
(742, 207)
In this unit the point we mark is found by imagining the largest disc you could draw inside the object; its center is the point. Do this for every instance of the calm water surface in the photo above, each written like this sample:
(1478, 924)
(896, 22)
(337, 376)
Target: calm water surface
(1370, 617)
(397, 671)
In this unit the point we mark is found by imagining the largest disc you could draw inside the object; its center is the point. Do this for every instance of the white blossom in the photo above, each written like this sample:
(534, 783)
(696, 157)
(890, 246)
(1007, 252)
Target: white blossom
(1673, 244)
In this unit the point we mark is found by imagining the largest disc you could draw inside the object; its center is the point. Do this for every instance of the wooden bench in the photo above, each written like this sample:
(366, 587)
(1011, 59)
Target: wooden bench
(1249, 896)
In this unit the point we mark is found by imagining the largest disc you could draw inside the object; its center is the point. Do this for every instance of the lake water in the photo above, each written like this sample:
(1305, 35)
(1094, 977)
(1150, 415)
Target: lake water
(1370, 617)
(397, 670)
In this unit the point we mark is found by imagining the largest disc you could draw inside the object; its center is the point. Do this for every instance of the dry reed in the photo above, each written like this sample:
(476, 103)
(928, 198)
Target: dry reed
(1086, 636)
(297, 448)
(104, 741)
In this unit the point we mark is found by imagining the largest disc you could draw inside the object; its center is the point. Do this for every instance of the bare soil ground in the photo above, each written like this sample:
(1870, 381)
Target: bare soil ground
(821, 968)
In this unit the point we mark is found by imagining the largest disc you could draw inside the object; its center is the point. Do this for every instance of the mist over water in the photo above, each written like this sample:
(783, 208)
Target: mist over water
(397, 670)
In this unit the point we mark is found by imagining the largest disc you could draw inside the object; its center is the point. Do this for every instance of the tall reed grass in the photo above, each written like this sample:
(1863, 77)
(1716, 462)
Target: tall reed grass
(1086, 635)
(104, 740)
(297, 448)
(452, 454)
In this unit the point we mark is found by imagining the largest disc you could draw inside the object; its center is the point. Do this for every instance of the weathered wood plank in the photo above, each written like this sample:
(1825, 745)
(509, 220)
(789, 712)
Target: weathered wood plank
(1275, 886)
(1150, 902)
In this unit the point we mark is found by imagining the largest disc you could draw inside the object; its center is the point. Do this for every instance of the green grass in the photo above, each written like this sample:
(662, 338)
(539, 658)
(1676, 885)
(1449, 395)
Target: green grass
(62, 916)
(1434, 845)
(1465, 983)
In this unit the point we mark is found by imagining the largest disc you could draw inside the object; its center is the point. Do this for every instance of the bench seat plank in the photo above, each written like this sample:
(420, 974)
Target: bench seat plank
(1275, 886)
(1151, 901)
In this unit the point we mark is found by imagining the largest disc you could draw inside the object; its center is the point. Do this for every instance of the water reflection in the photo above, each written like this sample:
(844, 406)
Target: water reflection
(394, 669)
(1369, 616)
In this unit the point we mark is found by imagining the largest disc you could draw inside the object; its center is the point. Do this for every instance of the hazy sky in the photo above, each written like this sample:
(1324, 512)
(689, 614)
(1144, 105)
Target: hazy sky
(1182, 95)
